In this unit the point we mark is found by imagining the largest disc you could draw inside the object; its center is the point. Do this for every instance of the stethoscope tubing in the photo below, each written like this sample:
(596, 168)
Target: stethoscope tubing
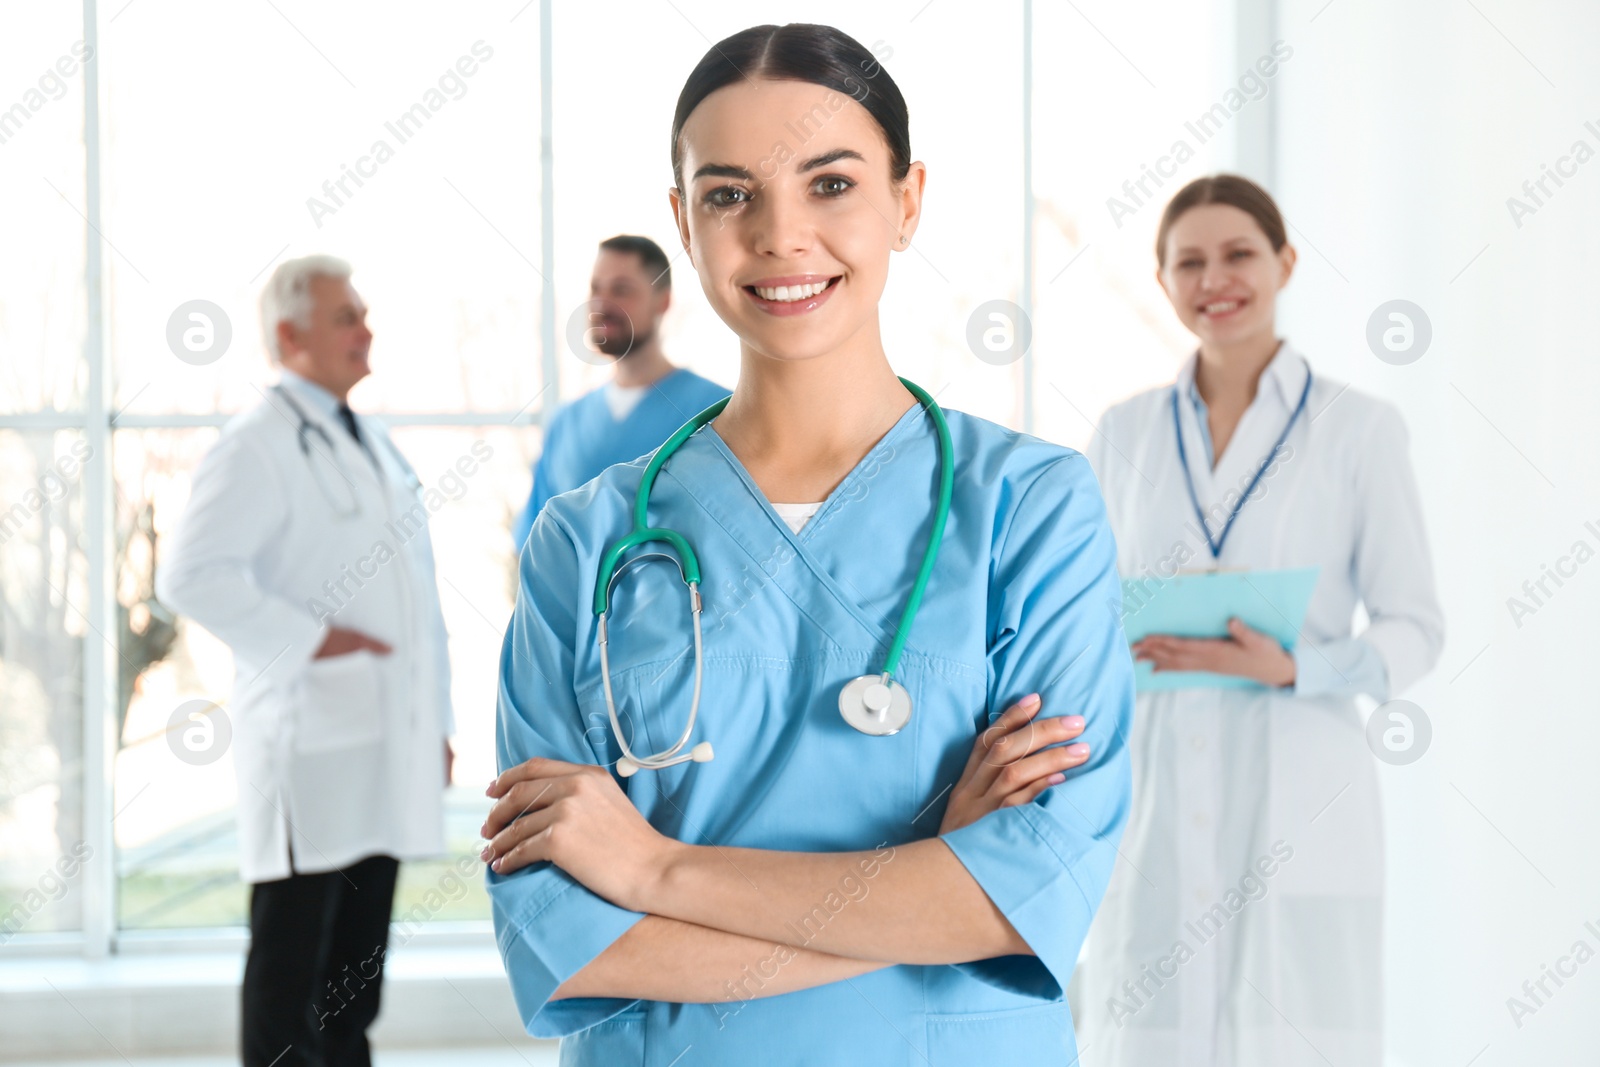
(309, 426)
(610, 568)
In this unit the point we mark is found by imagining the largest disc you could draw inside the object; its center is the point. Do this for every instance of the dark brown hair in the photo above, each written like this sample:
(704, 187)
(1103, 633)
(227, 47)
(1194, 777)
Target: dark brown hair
(801, 52)
(651, 257)
(1230, 189)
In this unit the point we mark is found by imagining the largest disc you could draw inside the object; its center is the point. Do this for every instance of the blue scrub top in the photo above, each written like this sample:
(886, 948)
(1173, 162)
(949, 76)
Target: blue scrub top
(1025, 597)
(584, 439)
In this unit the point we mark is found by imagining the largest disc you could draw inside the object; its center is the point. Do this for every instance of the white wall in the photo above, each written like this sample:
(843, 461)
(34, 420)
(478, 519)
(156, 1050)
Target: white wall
(1402, 129)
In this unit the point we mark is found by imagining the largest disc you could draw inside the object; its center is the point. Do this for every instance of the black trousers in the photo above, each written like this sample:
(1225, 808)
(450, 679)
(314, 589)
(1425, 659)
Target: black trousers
(311, 983)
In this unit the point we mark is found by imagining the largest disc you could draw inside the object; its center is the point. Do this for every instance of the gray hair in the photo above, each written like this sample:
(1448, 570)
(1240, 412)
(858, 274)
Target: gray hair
(287, 296)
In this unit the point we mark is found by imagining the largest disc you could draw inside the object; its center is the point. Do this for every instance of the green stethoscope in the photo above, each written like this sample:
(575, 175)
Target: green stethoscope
(875, 704)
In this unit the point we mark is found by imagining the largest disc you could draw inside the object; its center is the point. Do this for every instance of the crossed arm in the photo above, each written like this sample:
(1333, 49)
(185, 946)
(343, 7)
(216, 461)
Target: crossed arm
(675, 959)
(715, 916)
(665, 959)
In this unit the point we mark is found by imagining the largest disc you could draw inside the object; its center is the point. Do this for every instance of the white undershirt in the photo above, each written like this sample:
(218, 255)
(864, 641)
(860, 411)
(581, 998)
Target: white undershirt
(622, 399)
(796, 515)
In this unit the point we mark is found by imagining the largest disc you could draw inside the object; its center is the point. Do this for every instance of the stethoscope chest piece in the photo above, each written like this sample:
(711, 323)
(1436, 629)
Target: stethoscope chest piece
(875, 705)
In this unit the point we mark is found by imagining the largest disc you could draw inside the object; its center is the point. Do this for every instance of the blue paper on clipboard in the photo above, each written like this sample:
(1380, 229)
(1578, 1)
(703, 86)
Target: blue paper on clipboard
(1199, 604)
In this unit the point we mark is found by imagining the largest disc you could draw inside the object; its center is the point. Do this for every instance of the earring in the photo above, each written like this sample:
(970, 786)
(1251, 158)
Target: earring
(902, 238)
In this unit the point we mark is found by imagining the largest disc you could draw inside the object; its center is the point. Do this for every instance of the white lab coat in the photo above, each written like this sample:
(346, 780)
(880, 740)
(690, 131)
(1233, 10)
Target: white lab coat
(341, 757)
(1243, 924)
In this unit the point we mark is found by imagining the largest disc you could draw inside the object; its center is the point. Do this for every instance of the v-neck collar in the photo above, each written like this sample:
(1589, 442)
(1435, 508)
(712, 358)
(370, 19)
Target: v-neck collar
(875, 457)
(740, 517)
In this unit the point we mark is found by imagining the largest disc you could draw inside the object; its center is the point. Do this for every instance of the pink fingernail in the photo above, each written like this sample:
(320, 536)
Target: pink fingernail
(1057, 778)
(1074, 721)
(1078, 749)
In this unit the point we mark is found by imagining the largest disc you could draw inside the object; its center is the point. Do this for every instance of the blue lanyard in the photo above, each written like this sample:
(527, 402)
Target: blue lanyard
(1188, 479)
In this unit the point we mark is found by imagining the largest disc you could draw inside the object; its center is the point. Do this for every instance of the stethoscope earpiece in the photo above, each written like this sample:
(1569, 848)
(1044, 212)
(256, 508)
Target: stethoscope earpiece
(700, 753)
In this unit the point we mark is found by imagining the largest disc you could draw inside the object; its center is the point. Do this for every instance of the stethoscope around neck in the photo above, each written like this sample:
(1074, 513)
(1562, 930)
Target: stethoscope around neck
(875, 704)
(351, 506)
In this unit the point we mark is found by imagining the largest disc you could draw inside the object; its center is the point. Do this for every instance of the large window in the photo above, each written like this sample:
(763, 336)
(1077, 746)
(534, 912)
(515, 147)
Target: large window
(176, 153)
(42, 643)
(44, 464)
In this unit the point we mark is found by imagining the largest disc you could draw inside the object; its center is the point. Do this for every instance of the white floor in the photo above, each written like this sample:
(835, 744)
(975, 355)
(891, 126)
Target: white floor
(446, 1003)
(484, 1057)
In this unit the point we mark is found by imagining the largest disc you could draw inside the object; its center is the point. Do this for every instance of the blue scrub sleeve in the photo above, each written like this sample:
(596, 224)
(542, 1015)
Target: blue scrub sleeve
(523, 524)
(1054, 629)
(548, 925)
(541, 493)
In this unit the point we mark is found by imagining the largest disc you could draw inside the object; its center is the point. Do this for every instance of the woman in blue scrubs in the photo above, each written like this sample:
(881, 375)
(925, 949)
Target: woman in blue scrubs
(812, 894)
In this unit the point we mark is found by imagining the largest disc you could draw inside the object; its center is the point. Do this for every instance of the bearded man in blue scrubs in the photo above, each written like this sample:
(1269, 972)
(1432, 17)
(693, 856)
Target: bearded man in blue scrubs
(647, 398)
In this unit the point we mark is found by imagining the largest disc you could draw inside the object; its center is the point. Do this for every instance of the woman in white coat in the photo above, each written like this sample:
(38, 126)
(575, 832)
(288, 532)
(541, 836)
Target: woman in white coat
(1243, 924)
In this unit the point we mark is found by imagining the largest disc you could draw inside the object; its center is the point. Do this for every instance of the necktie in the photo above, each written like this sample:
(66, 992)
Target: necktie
(349, 419)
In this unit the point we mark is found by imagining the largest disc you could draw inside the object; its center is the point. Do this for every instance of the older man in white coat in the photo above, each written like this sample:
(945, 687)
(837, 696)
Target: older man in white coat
(305, 549)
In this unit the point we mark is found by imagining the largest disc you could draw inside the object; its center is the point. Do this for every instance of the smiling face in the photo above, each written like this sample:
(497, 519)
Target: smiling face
(789, 214)
(333, 349)
(1222, 275)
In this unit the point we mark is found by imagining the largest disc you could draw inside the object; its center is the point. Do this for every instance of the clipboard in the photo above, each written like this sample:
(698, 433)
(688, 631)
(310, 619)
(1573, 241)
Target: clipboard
(1200, 603)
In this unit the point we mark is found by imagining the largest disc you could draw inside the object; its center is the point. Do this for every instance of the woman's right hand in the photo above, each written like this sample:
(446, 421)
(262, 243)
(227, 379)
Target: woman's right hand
(1007, 768)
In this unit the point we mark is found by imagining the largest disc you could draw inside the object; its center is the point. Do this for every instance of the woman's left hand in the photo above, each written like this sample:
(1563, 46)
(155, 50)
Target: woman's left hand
(577, 817)
(1245, 652)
